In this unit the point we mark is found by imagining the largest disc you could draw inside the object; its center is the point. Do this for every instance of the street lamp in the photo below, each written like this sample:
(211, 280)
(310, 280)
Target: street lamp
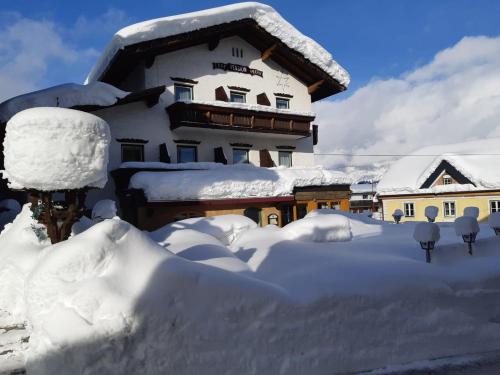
(431, 213)
(468, 228)
(397, 215)
(427, 234)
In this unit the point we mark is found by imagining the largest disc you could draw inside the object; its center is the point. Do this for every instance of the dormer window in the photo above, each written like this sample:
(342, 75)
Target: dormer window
(183, 92)
(237, 52)
(282, 103)
(237, 97)
(447, 180)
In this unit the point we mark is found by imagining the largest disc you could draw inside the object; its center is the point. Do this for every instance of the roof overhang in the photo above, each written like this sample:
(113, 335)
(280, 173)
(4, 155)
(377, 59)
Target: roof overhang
(320, 83)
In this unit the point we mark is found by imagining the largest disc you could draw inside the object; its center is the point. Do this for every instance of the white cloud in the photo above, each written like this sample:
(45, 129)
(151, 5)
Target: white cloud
(107, 23)
(455, 97)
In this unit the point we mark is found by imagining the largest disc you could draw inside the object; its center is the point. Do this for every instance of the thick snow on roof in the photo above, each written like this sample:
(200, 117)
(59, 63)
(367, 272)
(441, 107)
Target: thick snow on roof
(232, 182)
(66, 96)
(56, 148)
(476, 160)
(263, 14)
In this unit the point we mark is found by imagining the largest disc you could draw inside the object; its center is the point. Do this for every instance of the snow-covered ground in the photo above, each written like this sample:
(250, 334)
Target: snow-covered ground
(328, 294)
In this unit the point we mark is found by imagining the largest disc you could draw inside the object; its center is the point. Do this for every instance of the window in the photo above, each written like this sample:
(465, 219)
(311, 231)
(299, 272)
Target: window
(365, 196)
(131, 152)
(282, 103)
(323, 205)
(272, 219)
(187, 154)
(237, 52)
(285, 158)
(409, 209)
(286, 215)
(335, 205)
(301, 211)
(449, 209)
(494, 206)
(183, 92)
(447, 180)
(240, 156)
(253, 213)
(238, 97)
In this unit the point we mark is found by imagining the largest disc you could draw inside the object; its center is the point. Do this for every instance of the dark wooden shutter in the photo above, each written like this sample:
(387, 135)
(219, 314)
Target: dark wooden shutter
(220, 94)
(265, 159)
(262, 99)
(219, 156)
(164, 156)
(315, 135)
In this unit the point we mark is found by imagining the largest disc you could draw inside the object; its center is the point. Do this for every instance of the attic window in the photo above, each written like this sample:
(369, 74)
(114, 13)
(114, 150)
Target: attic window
(237, 52)
(447, 180)
(237, 97)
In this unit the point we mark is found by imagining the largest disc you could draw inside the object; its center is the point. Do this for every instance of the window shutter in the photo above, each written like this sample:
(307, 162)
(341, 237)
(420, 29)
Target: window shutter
(220, 94)
(265, 159)
(164, 156)
(219, 156)
(263, 100)
(315, 135)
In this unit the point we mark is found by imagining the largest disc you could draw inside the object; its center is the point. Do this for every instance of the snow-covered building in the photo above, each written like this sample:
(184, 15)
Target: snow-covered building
(230, 85)
(450, 177)
(363, 197)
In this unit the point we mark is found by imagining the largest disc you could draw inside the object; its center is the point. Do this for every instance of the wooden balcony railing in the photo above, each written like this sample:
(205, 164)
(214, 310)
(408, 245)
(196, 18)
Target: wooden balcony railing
(229, 118)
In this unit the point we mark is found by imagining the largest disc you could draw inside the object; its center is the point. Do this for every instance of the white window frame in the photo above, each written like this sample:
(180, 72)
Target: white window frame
(139, 146)
(237, 93)
(495, 202)
(447, 181)
(412, 209)
(445, 214)
(290, 153)
(190, 87)
(284, 100)
(245, 150)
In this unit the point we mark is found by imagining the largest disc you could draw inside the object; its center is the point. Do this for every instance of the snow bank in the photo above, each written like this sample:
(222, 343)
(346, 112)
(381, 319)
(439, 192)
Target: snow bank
(56, 148)
(225, 228)
(473, 159)
(426, 232)
(265, 16)
(494, 220)
(169, 166)
(66, 96)
(232, 181)
(321, 228)
(466, 225)
(431, 212)
(472, 212)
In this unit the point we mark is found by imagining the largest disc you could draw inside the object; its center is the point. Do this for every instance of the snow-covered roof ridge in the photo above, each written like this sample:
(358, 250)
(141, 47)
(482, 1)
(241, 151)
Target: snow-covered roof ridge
(65, 96)
(475, 160)
(265, 16)
(232, 182)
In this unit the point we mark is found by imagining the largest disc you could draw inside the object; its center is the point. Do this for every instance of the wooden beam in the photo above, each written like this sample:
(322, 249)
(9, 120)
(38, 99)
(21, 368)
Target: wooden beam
(268, 52)
(315, 86)
(213, 43)
(149, 61)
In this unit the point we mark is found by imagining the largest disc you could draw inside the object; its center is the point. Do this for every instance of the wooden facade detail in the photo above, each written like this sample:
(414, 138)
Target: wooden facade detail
(220, 94)
(262, 99)
(265, 159)
(206, 116)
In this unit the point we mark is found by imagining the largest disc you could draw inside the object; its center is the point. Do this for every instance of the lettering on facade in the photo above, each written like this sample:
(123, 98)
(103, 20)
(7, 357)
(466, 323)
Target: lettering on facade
(237, 68)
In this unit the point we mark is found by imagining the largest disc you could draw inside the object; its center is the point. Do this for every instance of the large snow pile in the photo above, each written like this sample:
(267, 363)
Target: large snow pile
(55, 149)
(232, 181)
(494, 220)
(426, 232)
(66, 96)
(320, 228)
(265, 16)
(225, 228)
(473, 159)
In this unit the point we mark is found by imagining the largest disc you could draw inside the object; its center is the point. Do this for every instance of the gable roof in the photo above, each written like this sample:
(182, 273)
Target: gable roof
(258, 24)
(474, 165)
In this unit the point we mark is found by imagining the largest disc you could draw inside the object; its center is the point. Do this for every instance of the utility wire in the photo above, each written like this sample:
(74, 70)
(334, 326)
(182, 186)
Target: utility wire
(400, 155)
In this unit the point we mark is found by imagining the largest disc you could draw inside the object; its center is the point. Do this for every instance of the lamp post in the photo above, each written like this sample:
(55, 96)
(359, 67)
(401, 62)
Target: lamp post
(431, 213)
(397, 215)
(467, 227)
(427, 234)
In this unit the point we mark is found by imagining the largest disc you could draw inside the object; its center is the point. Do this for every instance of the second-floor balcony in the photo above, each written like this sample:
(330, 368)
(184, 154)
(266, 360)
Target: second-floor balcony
(212, 116)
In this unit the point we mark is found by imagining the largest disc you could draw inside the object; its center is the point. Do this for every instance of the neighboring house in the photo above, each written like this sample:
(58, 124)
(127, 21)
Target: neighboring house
(231, 85)
(450, 177)
(363, 198)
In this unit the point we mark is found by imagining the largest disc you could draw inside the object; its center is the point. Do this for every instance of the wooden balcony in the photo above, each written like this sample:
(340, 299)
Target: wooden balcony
(203, 116)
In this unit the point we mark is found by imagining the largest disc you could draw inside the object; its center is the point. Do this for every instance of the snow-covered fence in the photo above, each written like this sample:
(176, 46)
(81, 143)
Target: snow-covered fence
(468, 228)
(494, 222)
(427, 234)
(431, 213)
(397, 215)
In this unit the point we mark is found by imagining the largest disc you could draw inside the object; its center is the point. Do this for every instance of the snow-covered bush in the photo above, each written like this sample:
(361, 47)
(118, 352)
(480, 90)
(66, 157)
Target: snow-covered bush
(471, 211)
(397, 215)
(224, 227)
(431, 212)
(104, 209)
(427, 234)
(494, 222)
(320, 228)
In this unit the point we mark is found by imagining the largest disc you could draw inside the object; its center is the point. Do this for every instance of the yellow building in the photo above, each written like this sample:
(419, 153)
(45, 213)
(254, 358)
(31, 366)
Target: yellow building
(450, 177)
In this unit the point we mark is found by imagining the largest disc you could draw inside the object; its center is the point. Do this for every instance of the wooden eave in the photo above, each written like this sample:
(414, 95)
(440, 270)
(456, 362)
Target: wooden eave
(127, 58)
(149, 96)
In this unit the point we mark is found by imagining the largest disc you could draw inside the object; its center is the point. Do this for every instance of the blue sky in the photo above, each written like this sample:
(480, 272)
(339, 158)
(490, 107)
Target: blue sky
(372, 39)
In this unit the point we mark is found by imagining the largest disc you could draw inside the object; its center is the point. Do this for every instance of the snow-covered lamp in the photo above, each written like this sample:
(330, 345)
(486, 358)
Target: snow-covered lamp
(427, 234)
(56, 150)
(397, 215)
(431, 213)
(471, 211)
(494, 222)
(468, 228)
